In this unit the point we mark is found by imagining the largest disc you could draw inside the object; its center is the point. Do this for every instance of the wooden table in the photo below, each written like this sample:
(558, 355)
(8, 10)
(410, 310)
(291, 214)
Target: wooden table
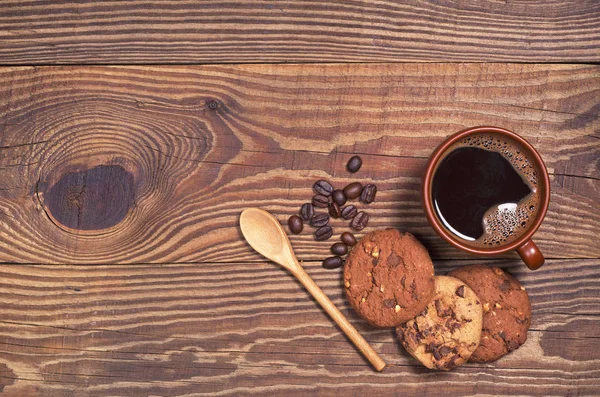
(133, 134)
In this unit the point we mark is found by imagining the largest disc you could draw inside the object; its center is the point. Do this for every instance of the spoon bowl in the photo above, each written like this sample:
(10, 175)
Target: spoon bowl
(264, 233)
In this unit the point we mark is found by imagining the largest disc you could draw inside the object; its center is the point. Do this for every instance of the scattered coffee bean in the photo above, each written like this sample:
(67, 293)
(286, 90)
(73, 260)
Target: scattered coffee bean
(339, 197)
(333, 262)
(368, 194)
(348, 239)
(324, 233)
(360, 221)
(295, 224)
(354, 164)
(334, 200)
(319, 220)
(339, 249)
(353, 190)
(349, 212)
(307, 211)
(323, 187)
(320, 201)
(334, 210)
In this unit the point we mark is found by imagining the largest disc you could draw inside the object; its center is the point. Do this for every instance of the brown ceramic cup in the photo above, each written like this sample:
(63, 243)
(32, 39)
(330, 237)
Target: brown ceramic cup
(523, 244)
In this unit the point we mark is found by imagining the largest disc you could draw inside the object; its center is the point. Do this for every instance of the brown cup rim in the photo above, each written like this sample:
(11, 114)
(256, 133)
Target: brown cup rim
(426, 191)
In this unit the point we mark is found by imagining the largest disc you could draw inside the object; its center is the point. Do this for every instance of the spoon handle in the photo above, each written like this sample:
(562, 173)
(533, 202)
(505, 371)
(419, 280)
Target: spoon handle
(339, 319)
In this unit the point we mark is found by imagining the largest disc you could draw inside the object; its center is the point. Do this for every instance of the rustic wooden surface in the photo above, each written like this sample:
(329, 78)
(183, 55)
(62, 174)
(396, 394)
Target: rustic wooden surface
(162, 31)
(248, 329)
(179, 151)
(176, 173)
(122, 270)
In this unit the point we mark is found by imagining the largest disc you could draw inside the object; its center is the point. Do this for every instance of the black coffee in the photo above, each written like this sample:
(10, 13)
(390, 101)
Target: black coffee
(484, 190)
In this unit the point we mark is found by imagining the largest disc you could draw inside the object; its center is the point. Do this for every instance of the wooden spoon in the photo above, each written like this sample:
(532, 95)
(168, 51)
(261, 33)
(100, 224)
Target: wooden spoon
(264, 233)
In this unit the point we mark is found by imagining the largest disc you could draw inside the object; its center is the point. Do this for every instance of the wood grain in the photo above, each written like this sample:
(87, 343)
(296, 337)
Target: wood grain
(193, 146)
(119, 32)
(250, 329)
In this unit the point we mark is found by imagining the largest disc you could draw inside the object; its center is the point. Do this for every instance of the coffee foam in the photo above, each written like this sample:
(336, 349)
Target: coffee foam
(505, 224)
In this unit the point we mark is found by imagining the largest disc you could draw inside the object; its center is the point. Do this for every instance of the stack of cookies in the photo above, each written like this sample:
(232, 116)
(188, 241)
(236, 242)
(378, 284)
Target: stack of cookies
(475, 313)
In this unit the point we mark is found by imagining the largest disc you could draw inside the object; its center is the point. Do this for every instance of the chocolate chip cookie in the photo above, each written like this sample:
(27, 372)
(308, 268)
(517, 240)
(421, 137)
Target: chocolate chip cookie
(448, 331)
(388, 277)
(506, 310)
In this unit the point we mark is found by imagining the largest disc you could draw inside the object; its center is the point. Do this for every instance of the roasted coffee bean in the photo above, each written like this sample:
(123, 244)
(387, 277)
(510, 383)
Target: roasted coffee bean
(334, 210)
(349, 212)
(295, 224)
(360, 221)
(324, 233)
(319, 220)
(339, 249)
(333, 262)
(353, 190)
(339, 197)
(354, 164)
(348, 239)
(307, 211)
(323, 187)
(368, 194)
(320, 201)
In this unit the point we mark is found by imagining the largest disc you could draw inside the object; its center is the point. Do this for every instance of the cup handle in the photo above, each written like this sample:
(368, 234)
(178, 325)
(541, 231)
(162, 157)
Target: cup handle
(531, 255)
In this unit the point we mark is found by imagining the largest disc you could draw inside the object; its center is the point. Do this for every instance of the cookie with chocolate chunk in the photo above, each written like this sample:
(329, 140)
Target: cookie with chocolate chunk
(506, 310)
(448, 331)
(388, 277)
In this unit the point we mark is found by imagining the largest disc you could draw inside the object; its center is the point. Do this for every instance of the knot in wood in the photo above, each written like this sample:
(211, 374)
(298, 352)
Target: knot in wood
(92, 199)
(212, 104)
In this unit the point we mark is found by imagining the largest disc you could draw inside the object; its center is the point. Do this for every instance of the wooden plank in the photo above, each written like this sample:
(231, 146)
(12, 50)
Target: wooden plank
(154, 164)
(250, 329)
(159, 31)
